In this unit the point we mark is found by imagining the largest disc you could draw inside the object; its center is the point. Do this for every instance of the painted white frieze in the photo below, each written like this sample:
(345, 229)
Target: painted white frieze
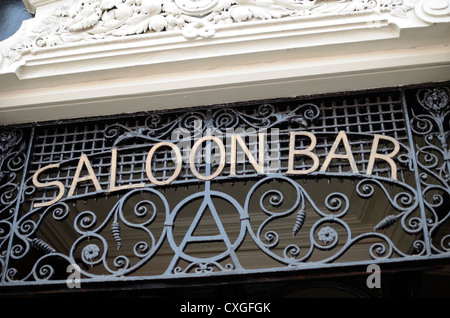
(87, 20)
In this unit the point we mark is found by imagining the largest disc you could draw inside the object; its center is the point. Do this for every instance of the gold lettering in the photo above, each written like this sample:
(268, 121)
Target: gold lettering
(148, 163)
(85, 165)
(259, 167)
(112, 179)
(84, 161)
(222, 158)
(304, 152)
(388, 158)
(349, 156)
(38, 184)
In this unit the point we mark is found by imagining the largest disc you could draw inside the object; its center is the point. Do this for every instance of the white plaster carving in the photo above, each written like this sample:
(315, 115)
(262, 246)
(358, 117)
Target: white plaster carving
(433, 11)
(197, 7)
(87, 20)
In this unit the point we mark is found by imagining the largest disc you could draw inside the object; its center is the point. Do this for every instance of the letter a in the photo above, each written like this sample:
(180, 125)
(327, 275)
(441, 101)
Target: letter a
(349, 156)
(84, 161)
(374, 279)
(74, 279)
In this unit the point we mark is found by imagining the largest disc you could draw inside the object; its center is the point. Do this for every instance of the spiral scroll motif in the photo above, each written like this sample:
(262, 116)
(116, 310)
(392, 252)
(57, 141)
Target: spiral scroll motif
(12, 163)
(196, 7)
(285, 218)
(430, 125)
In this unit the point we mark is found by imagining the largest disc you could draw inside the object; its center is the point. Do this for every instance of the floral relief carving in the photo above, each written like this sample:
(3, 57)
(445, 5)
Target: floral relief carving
(87, 20)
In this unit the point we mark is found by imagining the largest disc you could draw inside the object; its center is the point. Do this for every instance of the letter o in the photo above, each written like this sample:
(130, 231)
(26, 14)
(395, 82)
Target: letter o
(148, 163)
(222, 158)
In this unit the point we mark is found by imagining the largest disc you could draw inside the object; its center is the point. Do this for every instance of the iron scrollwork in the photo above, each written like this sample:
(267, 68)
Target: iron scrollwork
(431, 130)
(266, 117)
(12, 161)
(246, 222)
(94, 245)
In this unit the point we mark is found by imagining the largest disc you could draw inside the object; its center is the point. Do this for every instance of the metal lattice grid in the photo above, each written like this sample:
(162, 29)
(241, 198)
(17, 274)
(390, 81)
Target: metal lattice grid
(359, 117)
(244, 223)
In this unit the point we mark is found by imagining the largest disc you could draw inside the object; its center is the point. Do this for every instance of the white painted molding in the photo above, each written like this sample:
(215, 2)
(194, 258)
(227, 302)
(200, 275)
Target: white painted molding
(433, 11)
(93, 20)
(32, 5)
(75, 60)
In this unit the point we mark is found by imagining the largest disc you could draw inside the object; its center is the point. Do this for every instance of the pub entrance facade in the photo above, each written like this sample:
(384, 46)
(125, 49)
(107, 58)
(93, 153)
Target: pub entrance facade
(283, 148)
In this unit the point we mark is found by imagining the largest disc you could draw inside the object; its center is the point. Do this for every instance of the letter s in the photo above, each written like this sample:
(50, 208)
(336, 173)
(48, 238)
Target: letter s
(38, 184)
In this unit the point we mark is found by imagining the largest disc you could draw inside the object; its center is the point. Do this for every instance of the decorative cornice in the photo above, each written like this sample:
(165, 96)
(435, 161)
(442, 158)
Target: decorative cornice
(32, 5)
(85, 21)
(433, 11)
(60, 66)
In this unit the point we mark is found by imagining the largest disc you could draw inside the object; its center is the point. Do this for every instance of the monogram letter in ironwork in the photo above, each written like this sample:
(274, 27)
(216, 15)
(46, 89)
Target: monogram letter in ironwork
(84, 161)
(304, 152)
(388, 157)
(148, 163)
(222, 158)
(348, 155)
(39, 184)
(259, 167)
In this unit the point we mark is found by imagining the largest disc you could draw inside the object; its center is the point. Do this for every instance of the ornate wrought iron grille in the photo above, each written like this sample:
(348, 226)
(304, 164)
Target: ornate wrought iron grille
(237, 222)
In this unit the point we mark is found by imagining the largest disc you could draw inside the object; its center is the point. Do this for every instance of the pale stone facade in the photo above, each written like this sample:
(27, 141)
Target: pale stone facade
(98, 57)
